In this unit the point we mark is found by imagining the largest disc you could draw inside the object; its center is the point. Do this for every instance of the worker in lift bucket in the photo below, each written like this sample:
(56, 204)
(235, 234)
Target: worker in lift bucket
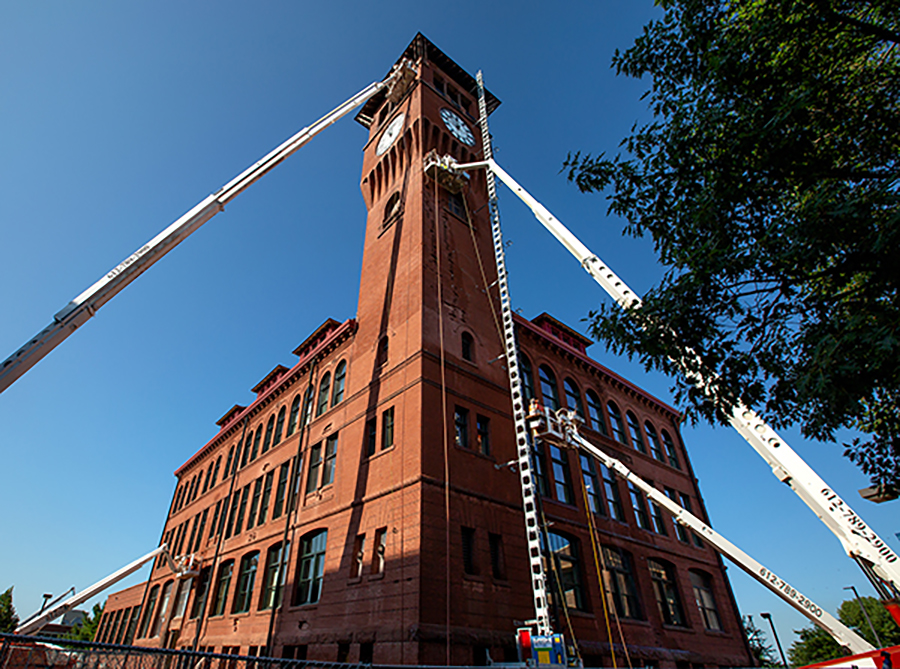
(886, 662)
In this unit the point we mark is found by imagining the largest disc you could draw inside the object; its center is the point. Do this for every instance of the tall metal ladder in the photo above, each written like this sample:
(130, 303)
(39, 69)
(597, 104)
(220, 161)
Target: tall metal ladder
(523, 443)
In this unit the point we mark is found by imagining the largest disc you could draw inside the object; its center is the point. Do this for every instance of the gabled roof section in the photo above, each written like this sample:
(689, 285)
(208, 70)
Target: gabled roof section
(562, 331)
(421, 47)
(269, 379)
(237, 408)
(316, 338)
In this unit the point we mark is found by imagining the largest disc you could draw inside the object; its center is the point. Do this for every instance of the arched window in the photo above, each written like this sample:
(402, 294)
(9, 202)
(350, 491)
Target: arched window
(595, 409)
(381, 357)
(671, 453)
(701, 582)
(620, 583)
(256, 441)
(159, 622)
(215, 475)
(276, 570)
(666, 590)
(208, 477)
(564, 550)
(324, 387)
(391, 210)
(295, 413)
(279, 427)
(468, 347)
(548, 387)
(248, 446)
(637, 440)
(270, 428)
(615, 420)
(223, 583)
(246, 577)
(228, 462)
(527, 378)
(653, 440)
(340, 377)
(148, 612)
(573, 398)
(311, 568)
(307, 407)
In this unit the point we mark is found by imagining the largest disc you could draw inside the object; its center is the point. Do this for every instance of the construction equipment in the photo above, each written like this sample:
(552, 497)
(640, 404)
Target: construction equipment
(561, 429)
(182, 567)
(876, 559)
(85, 305)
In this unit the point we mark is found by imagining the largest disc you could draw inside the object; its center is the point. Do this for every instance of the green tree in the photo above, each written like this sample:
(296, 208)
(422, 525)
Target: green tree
(769, 182)
(762, 650)
(8, 618)
(816, 645)
(87, 628)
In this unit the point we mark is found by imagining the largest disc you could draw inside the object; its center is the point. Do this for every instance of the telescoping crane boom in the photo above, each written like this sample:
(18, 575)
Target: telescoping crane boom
(85, 305)
(561, 428)
(36, 623)
(879, 563)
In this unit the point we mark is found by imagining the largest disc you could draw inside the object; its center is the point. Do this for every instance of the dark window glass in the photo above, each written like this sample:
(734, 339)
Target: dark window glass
(387, 428)
(662, 574)
(562, 479)
(685, 502)
(595, 409)
(657, 518)
(371, 436)
(527, 378)
(324, 388)
(224, 516)
(461, 427)
(359, 556)
(228, 463)
(620, 584)
(468, 347)
(498, 556)
(639, 505)
(456, 205)
(307, 408)
(295, 413)
(540, 469)
(615, 420)
(379, 554)
(200, 593)
(382, 355)
(280, 490)
(340, 378)
(239, 523)
(637, 440)
(611, 490)
(680, 531)
(589, 476)
(701, 583)
(132, 625)
(232, 514)
(279, 426)
(671, 453)
(215, 475)
(315, 463)
(206, 480)
(200, 530)
(223, 583)
(483, 434)
(215, 520)
(161, 615)
(573, 398)
(270, 431)
(276, 570)
(653, 441)
(311, 568)
(468, 551)
(245, 455)
(331, 444)
(266, 495)
(254, 503)
(246, 579)
(548, 387)
(256, 441)
(564, 551)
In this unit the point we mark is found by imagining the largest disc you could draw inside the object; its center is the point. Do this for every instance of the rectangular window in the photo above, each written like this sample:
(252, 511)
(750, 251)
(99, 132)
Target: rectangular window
(224, 516)
(246, 579)
(498, 558)
(455, 205)
(311, 568)
(232, 514)
(706, 602)
(294, 490)
(387, 429)
(280, 490)
(371, 436)
(132, 625)
(239, 523)
(330, 460)
(159, 622)
(686, 505)
(589, 476)
(461, 427)
(222, 585)
(639, 505)
(378, 556)
(266, 494)
(254, 503)
(680, 530)
(215, 520)
(358, 557)
(200, 594)
(483, 434)
(200, 530)
(657, 518)
(540, 469)
(611, 488)
(315, 463)
(562, 479)
(468, 551)
(276, 569)
(181, 597)
(620, 583)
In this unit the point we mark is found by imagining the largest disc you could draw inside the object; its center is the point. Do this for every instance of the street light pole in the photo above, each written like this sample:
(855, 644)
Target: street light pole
(866, 614)
(768, 616)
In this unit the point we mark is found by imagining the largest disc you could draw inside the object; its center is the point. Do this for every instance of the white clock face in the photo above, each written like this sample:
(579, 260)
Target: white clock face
(457, 127)
(390, 134)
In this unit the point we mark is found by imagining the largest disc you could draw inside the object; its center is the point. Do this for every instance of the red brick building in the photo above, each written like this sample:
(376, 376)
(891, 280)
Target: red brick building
(360, 508)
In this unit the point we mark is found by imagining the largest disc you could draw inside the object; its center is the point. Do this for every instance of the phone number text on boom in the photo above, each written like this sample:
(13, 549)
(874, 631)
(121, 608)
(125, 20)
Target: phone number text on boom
(790, 592)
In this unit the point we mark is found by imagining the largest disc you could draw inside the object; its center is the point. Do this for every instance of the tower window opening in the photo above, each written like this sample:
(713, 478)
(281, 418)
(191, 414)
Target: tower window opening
(468, 347)
(391, 211)
(455, 205)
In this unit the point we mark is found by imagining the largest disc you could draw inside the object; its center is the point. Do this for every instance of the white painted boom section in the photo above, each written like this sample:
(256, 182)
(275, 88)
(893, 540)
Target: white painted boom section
(85, 305)
(858, 539)
(34, 625)
(562, 428)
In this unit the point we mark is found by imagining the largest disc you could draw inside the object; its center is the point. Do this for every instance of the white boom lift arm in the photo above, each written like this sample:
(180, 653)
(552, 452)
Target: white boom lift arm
(85, 305)
(182, 568)
(879, 563)
(561, 428)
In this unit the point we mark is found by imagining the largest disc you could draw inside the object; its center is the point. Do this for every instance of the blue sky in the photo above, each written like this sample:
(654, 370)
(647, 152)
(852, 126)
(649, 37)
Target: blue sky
(116, 118)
